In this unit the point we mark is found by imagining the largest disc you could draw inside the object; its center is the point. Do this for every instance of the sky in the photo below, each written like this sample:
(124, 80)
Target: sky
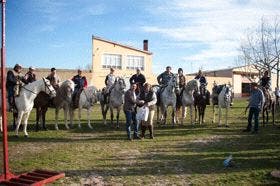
(192, 34)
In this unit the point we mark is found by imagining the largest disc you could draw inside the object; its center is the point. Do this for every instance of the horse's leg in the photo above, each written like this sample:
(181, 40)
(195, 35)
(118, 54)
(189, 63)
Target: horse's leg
(213, 121)
(71, 116)
(220, 115)
(227, 116)
(37, 119)
(66, 111)
(199, 115)
(15, 116)
(183, 116)
(195, 113)
(202, 114)
(174, 116)
(18, 122)
(79, 117)
(88, 117)
(263, 116)
(112, 115)
(44, 111)
(56, 118)
(158, 114)
(118, 115)
(191, 114)
(25, 120)
(104, 113)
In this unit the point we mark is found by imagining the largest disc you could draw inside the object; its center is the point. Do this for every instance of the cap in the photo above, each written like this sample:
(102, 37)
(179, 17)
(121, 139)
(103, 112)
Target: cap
(18, 65)
(138, 69)
(112, 69)
(31, 68)
(53, 69)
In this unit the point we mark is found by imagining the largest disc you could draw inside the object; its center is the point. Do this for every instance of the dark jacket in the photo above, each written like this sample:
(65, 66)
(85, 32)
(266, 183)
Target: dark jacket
(265, 82)
(80, 82)
(201, 79)
(12, 78)
(30, 77)
(164, 78)
(129, 101)
(150, 98)
(138, 79)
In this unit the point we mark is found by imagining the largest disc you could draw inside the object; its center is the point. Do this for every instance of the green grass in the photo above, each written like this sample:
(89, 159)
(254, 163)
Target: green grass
(177, 156)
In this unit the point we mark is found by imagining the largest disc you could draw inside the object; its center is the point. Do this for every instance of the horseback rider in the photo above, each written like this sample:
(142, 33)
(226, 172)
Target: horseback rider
(109, 82)
(13, 83)
(164, 77)
(54, 78)
(265, 81)
(80, 83)
(139, 79)
(30, 76)
(203, 84)
(182, 83)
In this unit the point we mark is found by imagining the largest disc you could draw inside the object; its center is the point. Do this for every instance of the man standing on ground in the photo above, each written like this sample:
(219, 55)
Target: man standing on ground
(255, 105)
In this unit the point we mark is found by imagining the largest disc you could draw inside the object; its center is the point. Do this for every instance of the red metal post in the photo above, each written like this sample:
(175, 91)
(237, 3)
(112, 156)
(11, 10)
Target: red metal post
(6, 172)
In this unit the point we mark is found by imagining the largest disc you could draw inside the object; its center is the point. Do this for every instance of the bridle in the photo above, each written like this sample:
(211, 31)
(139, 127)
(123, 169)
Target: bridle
(46, 87)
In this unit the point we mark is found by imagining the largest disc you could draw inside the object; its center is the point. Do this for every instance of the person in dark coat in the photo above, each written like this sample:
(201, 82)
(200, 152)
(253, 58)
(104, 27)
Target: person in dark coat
(201, 78)
(13, 82)
(80, 83)
(129, 106)
(139, 79)
(30, 76)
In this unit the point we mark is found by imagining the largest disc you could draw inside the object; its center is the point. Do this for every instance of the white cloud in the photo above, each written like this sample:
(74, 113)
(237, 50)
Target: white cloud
(216, 24)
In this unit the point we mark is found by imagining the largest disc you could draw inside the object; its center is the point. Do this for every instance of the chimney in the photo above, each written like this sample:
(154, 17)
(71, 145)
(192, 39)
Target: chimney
(145, 45)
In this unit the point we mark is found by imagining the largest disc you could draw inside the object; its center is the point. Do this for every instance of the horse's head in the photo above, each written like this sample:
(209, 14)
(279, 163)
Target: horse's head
(174, 82)
(120, 84)
(228, 92)
(193, 85)
(67, 89)
(49, 88)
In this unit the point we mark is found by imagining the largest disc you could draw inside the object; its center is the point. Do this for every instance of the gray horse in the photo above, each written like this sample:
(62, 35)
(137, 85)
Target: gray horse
(63, 100)
(116, 99)
(222, 96)
(188, 98)
(168, 98)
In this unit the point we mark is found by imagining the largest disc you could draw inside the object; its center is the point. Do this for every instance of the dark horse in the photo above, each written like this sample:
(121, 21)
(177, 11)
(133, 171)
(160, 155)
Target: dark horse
(268, 106)
(201, 99)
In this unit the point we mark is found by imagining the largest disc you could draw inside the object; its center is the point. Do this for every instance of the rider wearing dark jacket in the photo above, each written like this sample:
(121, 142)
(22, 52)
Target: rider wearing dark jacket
(80, 83)
(13, 83)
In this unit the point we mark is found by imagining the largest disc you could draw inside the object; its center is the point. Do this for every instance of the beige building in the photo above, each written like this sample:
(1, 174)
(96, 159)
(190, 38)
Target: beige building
(237, 76)
(124, 59)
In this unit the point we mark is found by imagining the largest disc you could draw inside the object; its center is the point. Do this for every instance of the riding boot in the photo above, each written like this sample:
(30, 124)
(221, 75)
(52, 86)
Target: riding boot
(151, 129)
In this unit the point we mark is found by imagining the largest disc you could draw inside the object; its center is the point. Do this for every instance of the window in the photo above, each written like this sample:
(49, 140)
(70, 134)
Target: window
(112, 60)
(134, 62)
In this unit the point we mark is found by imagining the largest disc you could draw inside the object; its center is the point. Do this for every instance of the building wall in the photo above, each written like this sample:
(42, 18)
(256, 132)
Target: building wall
(99, 73)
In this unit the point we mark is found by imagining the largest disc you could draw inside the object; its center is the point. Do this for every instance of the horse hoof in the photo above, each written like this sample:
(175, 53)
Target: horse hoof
(227, 126)
(45, 129)
(26, 136)
(16, 136)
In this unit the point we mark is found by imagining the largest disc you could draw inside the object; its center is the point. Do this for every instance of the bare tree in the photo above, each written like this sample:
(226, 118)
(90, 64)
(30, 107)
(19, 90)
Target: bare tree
(260, 48)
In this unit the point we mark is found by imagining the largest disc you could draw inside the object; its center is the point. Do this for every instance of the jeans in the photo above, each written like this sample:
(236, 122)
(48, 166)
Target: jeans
(131, 119)
(253, 112)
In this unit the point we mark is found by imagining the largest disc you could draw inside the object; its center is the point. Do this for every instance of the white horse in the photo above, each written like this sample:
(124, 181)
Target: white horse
(168, 98)
(223, 100)
(87, 99)
(188, 98)
(116, 100)
(25, 101)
